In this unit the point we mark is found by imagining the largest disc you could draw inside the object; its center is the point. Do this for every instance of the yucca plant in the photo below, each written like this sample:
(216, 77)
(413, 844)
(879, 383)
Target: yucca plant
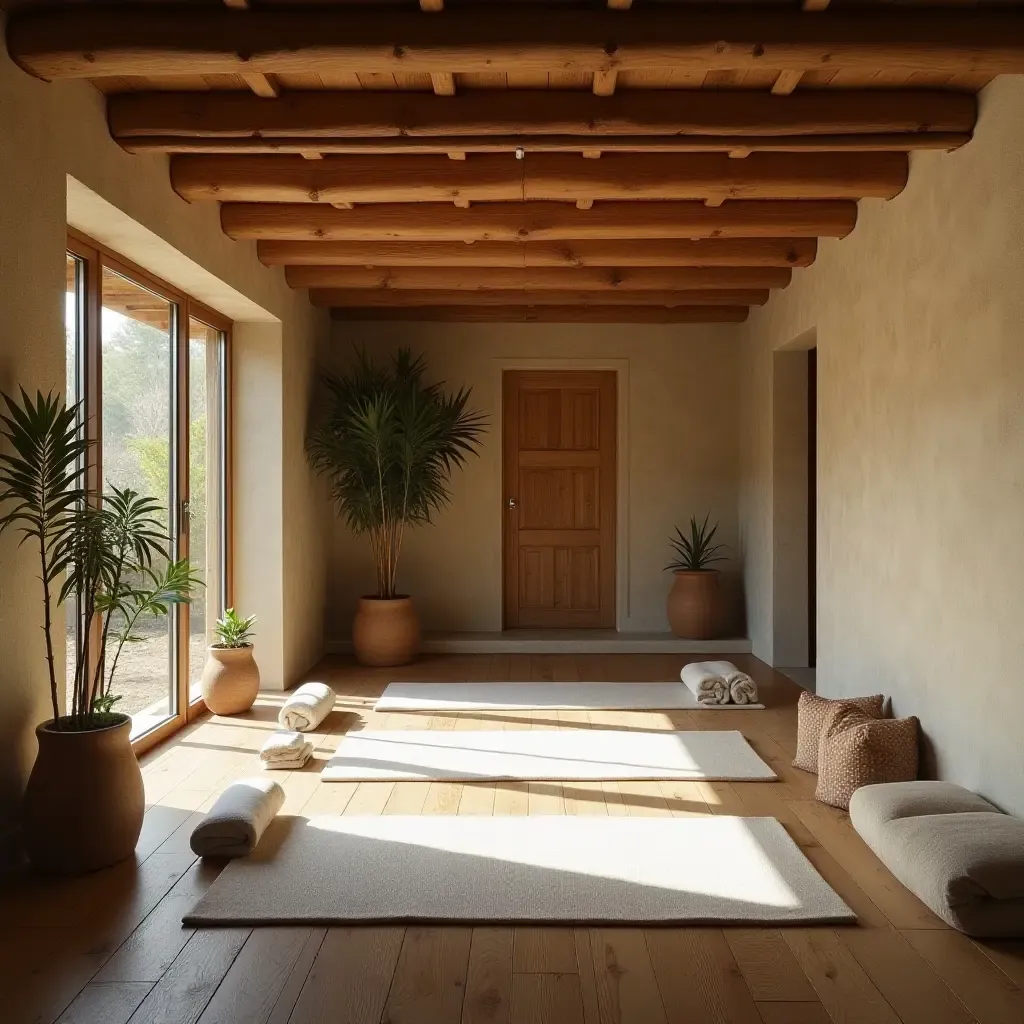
(696, 552)
(388, 444)
(103, 551)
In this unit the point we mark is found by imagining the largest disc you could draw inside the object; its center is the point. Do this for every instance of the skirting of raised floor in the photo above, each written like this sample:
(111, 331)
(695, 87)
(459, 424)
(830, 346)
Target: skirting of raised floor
(565, 641)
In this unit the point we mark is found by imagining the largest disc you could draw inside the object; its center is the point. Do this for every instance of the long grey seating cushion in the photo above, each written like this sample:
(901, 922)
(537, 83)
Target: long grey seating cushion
(951, 848)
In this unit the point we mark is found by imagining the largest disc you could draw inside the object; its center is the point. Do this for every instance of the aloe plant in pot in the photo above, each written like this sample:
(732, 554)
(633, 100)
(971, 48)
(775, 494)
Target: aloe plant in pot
(231, 679)
(84, 801)
(694, 603)
(388, 443)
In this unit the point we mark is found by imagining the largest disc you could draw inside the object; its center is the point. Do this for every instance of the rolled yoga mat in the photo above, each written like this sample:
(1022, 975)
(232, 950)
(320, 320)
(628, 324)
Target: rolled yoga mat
(238, 819)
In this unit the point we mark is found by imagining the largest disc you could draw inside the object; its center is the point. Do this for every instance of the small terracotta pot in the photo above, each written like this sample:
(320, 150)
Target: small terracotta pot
(694, 604)
(85, 800)
(231, 679)
(386, 631)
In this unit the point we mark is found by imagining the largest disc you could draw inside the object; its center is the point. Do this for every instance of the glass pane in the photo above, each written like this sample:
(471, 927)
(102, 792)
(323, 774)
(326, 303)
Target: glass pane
(74, 309)
(206, 488)
(137, 377)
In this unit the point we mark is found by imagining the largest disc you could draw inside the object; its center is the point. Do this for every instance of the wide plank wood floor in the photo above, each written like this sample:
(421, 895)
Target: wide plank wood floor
(110, 948)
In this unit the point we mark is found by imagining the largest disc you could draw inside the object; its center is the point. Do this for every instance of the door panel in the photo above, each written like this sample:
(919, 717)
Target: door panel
(559, 473)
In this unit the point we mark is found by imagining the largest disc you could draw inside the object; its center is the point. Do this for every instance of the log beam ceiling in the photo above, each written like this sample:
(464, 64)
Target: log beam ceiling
(86, 41)
(548, 176)
(522, 222)
(543, 120)
(620, 204)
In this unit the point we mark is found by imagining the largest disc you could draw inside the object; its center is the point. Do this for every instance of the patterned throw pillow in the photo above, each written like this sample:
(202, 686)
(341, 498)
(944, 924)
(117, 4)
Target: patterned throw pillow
(858, 750)
(811, 712)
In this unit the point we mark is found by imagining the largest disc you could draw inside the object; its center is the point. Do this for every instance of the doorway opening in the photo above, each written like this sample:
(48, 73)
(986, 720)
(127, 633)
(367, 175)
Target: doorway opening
(794, 509)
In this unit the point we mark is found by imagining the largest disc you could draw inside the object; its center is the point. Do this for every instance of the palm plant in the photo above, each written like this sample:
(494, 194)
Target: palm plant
(388, 444)
(105, 550)
(696, 552)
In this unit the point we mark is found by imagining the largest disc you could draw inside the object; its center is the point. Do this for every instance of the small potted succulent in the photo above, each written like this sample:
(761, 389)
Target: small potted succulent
(231, 679)
(694, 604)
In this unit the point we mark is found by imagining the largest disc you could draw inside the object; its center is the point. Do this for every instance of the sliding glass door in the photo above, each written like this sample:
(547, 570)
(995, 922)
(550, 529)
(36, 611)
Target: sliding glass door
(151, 365)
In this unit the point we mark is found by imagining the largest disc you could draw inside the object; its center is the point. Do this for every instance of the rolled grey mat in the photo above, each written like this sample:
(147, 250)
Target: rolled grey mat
(238, 819)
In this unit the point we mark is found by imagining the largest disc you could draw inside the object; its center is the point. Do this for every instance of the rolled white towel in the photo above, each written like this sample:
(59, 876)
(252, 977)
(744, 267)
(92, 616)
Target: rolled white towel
(285, 750)
(742, 689)
(307, 707)
(238, 819)
(706, 684)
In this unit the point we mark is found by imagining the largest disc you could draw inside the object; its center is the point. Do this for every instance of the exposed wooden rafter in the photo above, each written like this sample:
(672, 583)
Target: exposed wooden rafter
(711, 252)
(495, 178)
(532, 113)
(540, 221)
(79, 41)
(623, 279)
(543, 314)
(382, 297)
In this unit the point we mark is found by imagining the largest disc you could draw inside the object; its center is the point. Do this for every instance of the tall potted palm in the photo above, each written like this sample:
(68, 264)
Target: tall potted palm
(388, 443)
(84, 802)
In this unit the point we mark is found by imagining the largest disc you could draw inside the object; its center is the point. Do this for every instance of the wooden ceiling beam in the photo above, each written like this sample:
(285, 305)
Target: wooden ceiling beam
(617, 279)
(382, 297)
(711, 252)
(551, 314)
(512, 222)
(511, 113)
(732, 144)
(264, 86)
(92, 40)
(548, 176)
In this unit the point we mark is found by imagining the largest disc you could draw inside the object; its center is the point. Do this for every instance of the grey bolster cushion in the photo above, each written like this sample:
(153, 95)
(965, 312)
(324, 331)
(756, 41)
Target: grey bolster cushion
(952, 849)
(238, 819)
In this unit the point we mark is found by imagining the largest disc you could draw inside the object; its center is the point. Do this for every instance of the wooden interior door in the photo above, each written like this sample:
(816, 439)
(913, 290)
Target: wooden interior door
(559, 472)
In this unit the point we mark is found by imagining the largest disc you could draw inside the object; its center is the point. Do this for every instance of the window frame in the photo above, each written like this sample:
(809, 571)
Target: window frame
(96, 258)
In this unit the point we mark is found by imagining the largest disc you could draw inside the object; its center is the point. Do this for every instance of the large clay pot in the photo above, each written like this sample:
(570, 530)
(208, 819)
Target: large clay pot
(386, 631)
(231, 679)
(85, 800)
(695, 604)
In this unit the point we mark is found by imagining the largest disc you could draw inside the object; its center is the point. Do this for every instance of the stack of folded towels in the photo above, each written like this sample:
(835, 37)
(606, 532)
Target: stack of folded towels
(304, 710)
(718, 682)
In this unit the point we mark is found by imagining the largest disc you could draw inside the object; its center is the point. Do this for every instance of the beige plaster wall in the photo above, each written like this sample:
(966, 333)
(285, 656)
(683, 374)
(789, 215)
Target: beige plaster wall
(919, 317)
(680, 386)
(51, 132)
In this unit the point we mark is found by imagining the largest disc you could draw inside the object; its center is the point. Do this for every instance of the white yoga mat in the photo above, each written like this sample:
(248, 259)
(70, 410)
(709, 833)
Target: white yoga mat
(338, 870)
(546, 696)
(555, 754)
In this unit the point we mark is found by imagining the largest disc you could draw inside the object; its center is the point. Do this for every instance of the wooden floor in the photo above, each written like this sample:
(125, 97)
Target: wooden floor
(110, 948)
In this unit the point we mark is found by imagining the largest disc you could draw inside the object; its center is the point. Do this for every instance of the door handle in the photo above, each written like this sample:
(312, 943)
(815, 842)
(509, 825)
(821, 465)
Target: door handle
(511, 502)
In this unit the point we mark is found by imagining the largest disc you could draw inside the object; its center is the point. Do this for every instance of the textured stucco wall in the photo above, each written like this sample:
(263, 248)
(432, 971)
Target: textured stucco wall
(681, 455)
(48, 132)
(919, 317)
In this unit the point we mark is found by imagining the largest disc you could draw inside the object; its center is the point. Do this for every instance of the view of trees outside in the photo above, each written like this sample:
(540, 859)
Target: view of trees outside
(137, 422)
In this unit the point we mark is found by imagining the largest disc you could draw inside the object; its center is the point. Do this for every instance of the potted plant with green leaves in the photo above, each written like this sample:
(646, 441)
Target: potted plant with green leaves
(694, 604)
(231, 678)
(388, 443)
(84, 802)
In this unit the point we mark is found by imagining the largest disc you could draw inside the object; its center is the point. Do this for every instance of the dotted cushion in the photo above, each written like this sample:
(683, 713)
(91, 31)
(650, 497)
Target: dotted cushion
(811, 712)
(858, 750)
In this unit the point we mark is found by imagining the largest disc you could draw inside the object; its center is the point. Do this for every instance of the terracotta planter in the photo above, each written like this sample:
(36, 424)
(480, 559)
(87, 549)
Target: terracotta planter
(231, 679)
(386, 631)
(695, 604)
(85, 800)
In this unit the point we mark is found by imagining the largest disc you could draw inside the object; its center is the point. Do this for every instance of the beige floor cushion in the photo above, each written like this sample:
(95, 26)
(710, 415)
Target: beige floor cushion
(859, 750)
(958, 854)
(811, 711)
(873, 807)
